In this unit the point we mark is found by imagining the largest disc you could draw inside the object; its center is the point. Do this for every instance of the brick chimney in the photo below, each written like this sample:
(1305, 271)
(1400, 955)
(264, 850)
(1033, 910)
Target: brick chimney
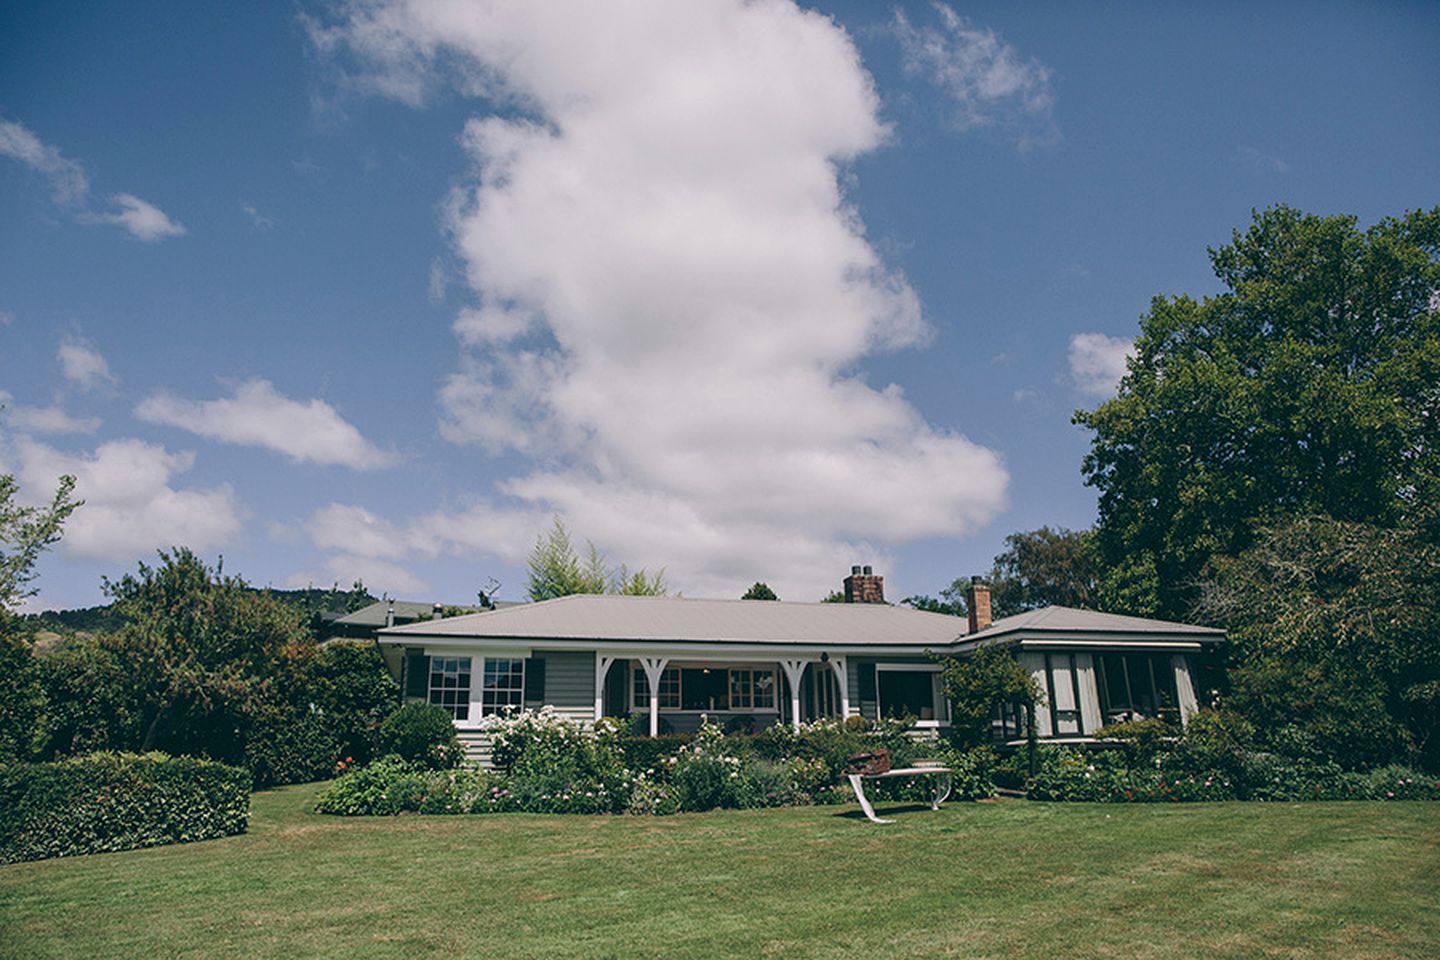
(863, 586)
(977, 601)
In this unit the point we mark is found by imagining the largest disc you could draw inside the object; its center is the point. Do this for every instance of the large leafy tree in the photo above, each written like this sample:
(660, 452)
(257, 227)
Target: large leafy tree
(760, 590)
(1311, 385)
(1037, 568)
(204, 652)
(1334, 629)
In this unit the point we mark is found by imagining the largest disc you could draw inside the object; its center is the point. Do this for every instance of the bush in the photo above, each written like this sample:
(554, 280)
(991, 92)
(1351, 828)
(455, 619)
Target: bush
(1104, 777)
(290, 746)
(651, 753)
(117, 801)
(422, 733)
(393, 785)
(352, 688)
(1142, 740)
(555, 765)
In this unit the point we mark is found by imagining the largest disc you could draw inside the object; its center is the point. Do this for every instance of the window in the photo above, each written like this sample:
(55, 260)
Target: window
(707, 689)
(907, 692)
(504, 685)
(1137, 686)
(1063, 695)
(669, 690)
(450, 685)
(1008, 721)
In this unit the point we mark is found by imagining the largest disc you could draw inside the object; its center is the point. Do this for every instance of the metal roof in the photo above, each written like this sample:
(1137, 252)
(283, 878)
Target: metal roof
(621, 619)
(1071, 620)
(652, 619)
(373, 615)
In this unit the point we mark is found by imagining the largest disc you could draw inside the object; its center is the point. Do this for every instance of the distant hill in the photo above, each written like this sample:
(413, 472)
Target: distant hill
(312, 603)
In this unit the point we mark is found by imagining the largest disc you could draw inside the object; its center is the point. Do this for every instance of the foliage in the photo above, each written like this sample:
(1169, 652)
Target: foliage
(1310, 386)
(1045, 567)
(556, 570)
(290, 745)
(759, 590)
(117, 801)
(25, 532)
(1142, 740)
(202, 651)
(1332, 628)
(90, 702)
(421, 733)
(951, 602)
(22, 699)
(352, 688)
(974, 684)
(1103, 777)
(554, 765)
(392, 786)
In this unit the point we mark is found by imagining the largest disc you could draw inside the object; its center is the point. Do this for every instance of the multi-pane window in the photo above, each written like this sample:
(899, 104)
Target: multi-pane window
(504, 685)
(669, 689)
(450, 685)
(907, 693)
(1136, 686)
(752, 689)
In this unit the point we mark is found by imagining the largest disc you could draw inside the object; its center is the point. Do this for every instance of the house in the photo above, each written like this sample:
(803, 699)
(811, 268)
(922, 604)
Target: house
(752, 663)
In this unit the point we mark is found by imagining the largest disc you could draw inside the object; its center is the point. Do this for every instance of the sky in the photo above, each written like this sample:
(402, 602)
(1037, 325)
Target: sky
(740, 290)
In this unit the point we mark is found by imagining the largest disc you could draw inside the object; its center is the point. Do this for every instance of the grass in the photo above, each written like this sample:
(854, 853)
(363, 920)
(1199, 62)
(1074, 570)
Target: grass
(1008, 879)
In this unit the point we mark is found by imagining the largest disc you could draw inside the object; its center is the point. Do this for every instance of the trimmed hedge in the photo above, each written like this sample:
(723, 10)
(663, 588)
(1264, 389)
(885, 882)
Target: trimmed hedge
(105, 802)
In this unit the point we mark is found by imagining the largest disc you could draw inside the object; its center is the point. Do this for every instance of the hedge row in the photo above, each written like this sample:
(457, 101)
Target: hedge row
(117, 801)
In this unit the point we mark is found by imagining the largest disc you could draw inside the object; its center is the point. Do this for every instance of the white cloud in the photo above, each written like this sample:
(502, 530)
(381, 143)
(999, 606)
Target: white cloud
(70, 187)
(356, 531)
(52, 419)
(68, 183)
(143, 220)
(987, 82)
(82, 364)
(380, 576)
(258, 416)
(1097, 362)
(674, 293)
(131, 507)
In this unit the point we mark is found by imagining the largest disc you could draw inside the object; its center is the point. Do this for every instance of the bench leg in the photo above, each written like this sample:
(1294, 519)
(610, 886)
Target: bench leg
(864, 803)
(942, 790)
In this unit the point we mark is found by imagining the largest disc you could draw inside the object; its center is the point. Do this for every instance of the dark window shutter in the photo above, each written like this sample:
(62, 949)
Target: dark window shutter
(535, 679)
(867, 681)
(417, 674)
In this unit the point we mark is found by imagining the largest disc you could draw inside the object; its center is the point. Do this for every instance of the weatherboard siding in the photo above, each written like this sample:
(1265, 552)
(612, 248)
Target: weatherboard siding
(569, 683)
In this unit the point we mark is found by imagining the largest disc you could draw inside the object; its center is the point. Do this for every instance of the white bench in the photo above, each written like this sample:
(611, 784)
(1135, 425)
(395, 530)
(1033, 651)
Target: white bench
(942, 786)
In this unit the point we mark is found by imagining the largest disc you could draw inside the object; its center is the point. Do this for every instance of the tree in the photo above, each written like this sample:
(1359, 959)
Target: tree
(25, 532)
(1311, 385)
(759, 591)
(1045, 567)
(203, 653)
(556, 570)
(1332, 628)
(975, 684)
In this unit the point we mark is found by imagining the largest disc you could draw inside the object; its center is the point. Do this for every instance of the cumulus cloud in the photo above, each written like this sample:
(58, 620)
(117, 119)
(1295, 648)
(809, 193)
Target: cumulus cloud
(259, 416)
(673, 294)
(70, 187)
(1097, 362)
(131, 507)
(83, 364)
(68, 183)
(379, 576)
(987, 82)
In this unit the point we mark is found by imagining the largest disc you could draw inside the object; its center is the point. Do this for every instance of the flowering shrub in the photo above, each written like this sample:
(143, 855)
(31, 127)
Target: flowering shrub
(1103, 777)
(555, 765)
(392, 785)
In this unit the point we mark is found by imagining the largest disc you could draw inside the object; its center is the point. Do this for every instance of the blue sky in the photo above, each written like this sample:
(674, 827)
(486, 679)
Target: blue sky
(745, 291)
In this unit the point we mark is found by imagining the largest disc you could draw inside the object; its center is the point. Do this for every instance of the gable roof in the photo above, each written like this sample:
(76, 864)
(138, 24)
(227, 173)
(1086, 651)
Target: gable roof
(659, 619)
(373, 614)
(1072, 620)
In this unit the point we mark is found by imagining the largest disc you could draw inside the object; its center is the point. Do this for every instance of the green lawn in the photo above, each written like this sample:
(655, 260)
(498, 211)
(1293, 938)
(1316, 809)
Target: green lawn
(1007, 879)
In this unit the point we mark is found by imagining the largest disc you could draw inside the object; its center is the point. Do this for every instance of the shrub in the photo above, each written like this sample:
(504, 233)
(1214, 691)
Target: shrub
(651, 753)
(290, 746)
(1142, 740)
(1103, 777)
(117, 801)
(424, 733)
(350, 684)
(555, 765)
(393, 785)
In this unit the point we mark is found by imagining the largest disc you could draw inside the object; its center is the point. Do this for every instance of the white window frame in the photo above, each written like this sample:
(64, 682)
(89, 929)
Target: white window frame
(939, 705)
(463, 665)
(491, 709)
